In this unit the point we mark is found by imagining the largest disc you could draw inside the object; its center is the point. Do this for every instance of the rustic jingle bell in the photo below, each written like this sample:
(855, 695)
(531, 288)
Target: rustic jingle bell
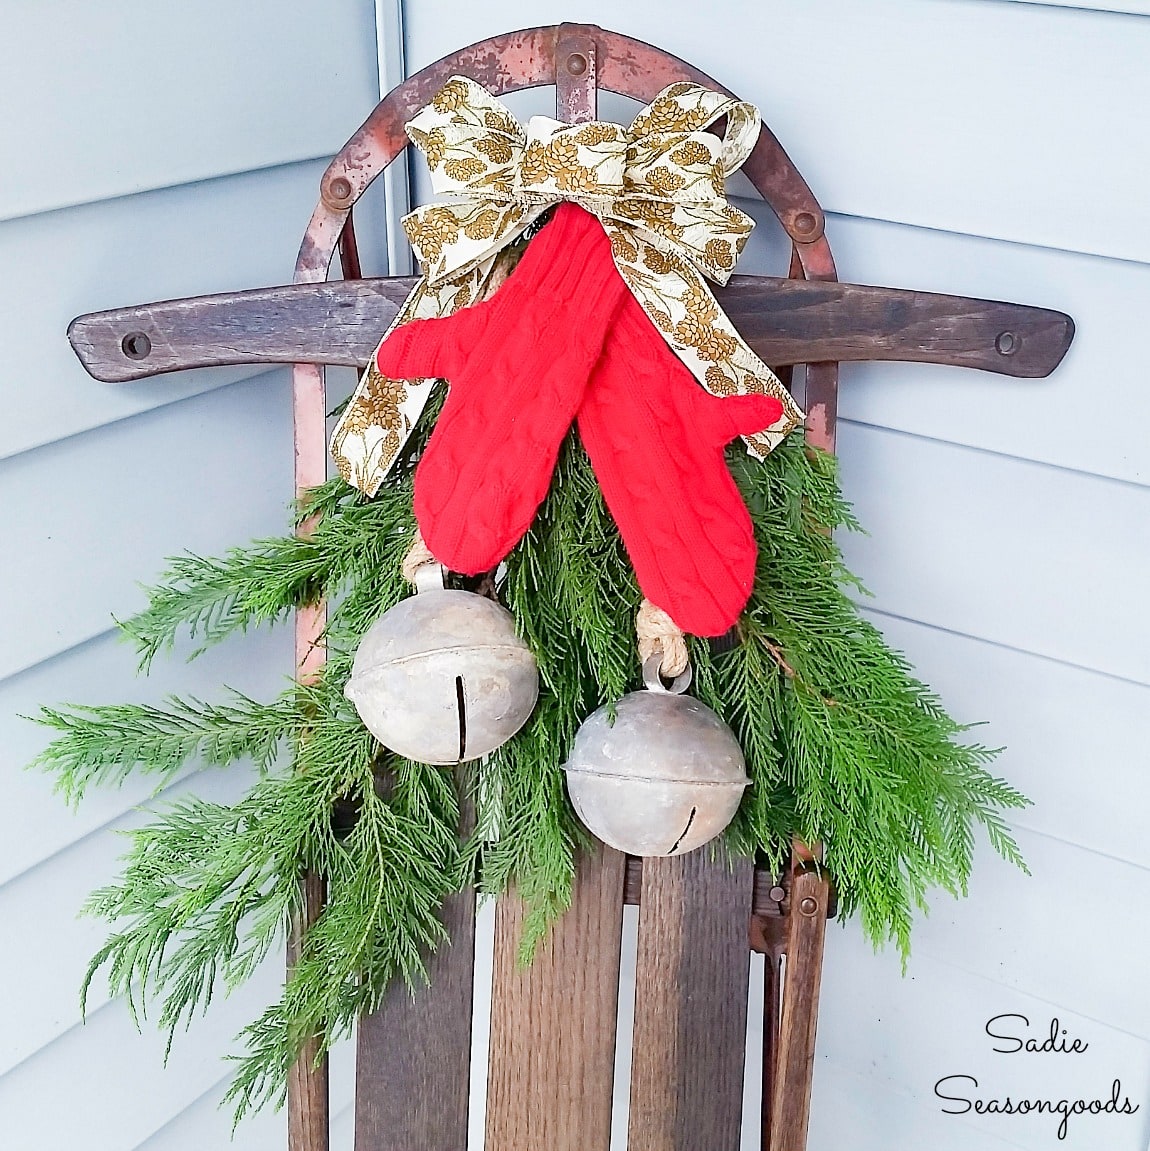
(443, 677)
(664, 778)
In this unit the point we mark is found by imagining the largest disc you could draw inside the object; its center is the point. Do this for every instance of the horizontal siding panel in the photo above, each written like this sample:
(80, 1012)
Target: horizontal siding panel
(910, 1032)
(1007, 120)
(38, 1002)
(92, 515)
(1060, 726)
(1090, 415)
(1033, 557)
(224, 235)
(39, 995)
(876, 1115)
(159, 152)
(199, 91)
(342, 1130)
(1132, 7)
(205, 1126)
(1073, 932)
(104, 671)
(104, 1086)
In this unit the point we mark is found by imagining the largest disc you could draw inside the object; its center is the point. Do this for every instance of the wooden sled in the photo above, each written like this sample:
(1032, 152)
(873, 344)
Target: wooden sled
(553, 1024)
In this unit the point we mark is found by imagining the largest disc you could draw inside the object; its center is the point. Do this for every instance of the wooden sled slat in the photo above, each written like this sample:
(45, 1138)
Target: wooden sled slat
(693, 969)
(552, 1053)
(413, 1054)
(309, 1110)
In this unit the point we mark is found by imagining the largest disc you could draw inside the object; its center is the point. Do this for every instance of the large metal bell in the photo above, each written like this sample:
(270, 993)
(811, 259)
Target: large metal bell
(662, 779)
(443, 677)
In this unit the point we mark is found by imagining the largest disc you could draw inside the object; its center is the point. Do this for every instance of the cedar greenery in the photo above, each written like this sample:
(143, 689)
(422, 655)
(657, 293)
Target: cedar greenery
(843, 744)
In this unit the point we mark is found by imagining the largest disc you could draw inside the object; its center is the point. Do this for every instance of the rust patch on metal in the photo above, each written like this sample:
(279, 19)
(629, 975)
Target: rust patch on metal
(817, 432)
(531, 58)
(576, 75)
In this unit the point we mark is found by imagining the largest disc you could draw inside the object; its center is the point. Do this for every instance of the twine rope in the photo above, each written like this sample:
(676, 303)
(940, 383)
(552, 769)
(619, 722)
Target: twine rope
(418, 555)
(659, 635)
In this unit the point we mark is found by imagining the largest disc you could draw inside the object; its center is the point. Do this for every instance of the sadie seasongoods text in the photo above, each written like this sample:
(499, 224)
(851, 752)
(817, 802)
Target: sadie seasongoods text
(1011, 1035)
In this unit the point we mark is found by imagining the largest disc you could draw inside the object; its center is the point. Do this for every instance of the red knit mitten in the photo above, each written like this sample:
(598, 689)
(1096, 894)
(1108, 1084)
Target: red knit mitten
(656, 441)
(517, 365)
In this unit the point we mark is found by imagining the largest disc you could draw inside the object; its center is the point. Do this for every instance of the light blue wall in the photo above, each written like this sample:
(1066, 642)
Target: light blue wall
(146, 151)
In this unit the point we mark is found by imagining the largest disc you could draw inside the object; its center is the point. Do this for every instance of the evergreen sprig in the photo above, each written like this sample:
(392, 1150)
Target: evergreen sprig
(354, 544)
(843, 745)
(207, 888)
(104, 745)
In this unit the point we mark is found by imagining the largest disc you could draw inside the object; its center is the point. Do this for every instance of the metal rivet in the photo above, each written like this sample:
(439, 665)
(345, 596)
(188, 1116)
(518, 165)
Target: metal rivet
(778, 894)
(805, 223)
(809, 905)
(340, 188)
(136, 346)
(1006, 344)
(576, 64)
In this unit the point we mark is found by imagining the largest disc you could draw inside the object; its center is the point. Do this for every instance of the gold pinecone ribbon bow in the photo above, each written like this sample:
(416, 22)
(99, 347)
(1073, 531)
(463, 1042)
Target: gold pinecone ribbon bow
(658, 189)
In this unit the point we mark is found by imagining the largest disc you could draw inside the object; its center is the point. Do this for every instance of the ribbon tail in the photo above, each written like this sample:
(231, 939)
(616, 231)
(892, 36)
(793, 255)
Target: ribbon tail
(382, 413)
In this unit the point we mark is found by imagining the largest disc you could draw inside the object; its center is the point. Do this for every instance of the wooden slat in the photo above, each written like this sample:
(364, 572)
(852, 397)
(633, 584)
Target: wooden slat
(308, 1088)
(690, 1005)
(790, 1107)
(552, 1052)
(414, 1053)
(785, 321)
(308, 1102)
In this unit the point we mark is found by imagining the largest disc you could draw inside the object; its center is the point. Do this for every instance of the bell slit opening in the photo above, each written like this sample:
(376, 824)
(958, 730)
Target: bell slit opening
(683, 833)
(462, 706)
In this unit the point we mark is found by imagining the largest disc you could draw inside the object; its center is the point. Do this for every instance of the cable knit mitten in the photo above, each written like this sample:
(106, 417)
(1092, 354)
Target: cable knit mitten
(517, 365)
(656, 440)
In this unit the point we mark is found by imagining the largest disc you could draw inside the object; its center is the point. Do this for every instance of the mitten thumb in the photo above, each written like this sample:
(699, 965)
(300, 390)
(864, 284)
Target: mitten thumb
(731, 416)
(424, 348)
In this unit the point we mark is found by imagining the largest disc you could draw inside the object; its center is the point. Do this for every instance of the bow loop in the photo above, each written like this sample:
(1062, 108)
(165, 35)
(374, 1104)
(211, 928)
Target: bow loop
(658, 189)
(465, 132)
(451, 240)
(688, 109)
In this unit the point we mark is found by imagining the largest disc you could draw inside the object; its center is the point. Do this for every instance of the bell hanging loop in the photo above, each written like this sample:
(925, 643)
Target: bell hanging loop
(653, 677)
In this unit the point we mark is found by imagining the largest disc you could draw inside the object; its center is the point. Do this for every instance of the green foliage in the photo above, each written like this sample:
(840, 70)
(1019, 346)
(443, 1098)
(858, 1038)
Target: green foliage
(207, 888)
(356, 546)
(104, 745)
(844, 746)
